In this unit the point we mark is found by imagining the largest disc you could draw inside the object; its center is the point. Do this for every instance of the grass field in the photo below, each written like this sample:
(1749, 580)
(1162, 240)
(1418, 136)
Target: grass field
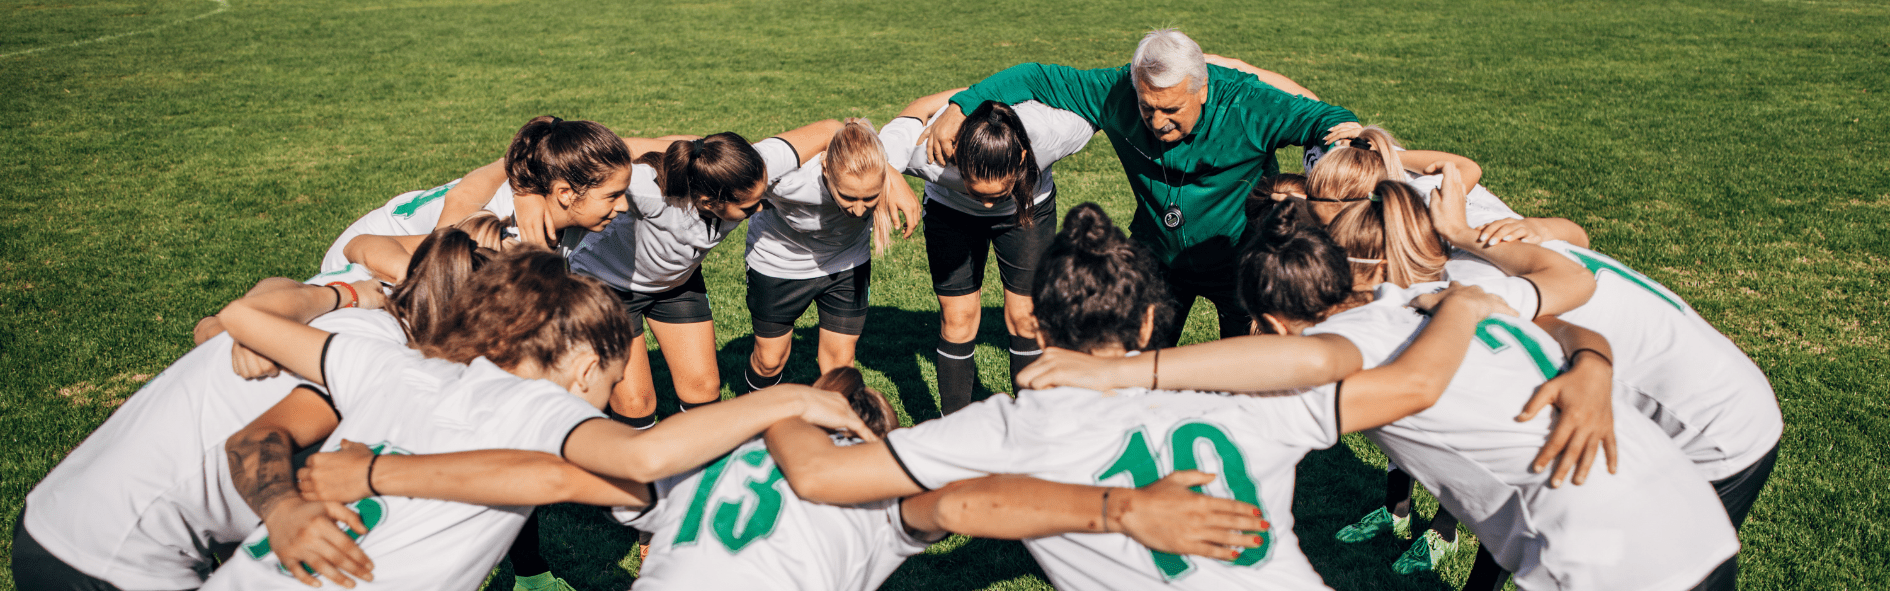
(157, 158)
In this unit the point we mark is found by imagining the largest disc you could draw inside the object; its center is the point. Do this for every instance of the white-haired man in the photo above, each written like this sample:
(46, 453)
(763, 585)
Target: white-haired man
(1193, 139)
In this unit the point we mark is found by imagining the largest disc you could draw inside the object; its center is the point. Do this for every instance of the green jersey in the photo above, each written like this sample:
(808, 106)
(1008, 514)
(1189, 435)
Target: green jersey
(1199, 184)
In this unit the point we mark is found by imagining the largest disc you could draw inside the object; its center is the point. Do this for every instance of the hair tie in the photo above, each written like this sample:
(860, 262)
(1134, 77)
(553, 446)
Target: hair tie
(555, 120)
(1376, 198)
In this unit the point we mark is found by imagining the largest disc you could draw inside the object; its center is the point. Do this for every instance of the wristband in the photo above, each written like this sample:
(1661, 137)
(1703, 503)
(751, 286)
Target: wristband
(370, 474)
(354, 299)
(1604, 358)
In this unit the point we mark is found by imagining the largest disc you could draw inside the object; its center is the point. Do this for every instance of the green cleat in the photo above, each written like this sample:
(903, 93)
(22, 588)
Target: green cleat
(1374, 523)
(1424, 554)
(544, 581)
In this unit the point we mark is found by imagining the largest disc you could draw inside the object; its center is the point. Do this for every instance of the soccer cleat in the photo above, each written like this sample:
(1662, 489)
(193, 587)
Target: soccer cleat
(1424, 554)
(544, 581)
(1374, 523)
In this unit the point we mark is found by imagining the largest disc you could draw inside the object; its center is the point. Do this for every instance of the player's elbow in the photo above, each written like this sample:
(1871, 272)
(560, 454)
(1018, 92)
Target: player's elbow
(815, 479)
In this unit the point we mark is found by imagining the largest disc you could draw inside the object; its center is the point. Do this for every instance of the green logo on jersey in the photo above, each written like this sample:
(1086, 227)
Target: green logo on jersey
(1144, 468)
(1489, 331)
(728, 526)
(372, 511)
(1597, 262)
(412, 206)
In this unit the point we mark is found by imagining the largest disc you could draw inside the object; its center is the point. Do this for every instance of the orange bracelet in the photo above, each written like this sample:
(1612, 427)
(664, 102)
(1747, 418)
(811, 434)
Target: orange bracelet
(354, 299)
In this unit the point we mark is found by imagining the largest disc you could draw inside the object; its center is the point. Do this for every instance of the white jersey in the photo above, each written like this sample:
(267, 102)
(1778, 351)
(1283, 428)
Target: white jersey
(1679, 371)
(1055, 134)
(666, 243)
(1480, 205)
(139, 503)
(413, 213)
(399, 402)
(1654, 525)
(735, 524)
(1131, 438)
(806, 234)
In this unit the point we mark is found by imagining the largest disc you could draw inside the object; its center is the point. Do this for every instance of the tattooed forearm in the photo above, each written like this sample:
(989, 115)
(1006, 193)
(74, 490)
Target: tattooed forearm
(259, 466)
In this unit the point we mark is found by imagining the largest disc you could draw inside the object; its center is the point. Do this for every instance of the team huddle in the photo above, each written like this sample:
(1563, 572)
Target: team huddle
(469, 352)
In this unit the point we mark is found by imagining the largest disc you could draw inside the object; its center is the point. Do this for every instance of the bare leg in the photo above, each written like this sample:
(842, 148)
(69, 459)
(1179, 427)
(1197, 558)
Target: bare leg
(690, 351)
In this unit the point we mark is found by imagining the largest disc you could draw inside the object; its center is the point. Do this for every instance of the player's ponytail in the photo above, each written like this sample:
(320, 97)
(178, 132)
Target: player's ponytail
(707, 172)
(1290, 268)
(443, 263)
(524, 307)
(993, 145)
(1394, 230)
(1095, 287)
(1347, 176)
(869, 404)
(855, 151)
(548, 149)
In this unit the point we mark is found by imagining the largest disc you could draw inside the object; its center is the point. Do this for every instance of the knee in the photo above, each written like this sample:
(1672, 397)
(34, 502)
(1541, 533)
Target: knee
(959, 325)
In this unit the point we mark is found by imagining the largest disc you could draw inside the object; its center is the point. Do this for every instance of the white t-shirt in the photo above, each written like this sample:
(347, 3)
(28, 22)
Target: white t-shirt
(1679, 371)
(413, 213)
(1480, 205)
(1055, 134)
(1654, 525)
(666, 243)
(139, 501)
(747, 530)
(806, 234)
(1129, 438)
(399, 402)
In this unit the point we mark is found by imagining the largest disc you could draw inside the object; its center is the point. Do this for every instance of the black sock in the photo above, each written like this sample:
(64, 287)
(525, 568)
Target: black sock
(754, 381)
(638, 423)
(524, 553)
(1398, 492)
(1445, 524)
(689, 406)
(957, 374)
(1023, 351)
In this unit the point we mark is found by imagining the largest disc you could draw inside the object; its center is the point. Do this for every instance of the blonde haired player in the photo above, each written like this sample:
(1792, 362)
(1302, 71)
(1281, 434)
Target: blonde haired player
(815, 246)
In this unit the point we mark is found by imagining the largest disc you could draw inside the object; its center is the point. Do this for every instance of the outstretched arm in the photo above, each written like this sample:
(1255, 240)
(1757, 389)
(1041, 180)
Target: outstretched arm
(923, 107)
(1564, 284)
(693, 438)
(275, 324)
(1417, 378)
(1272, 78)
(822, 472)
(1255, 363)
(472, 193)
(1432, 162)
(1584, 397)
(483, 477)
(1166, 515)
(811, 139)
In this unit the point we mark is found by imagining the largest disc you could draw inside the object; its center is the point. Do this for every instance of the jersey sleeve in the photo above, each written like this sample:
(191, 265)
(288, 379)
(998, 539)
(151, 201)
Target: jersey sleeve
(1055, 134)
(1277, 119)
(779, 156)
(356, 369)
(1370, 329)
(1083, 92)
(543, 419)
(901, 541)
(802, 186)
(970, 443)
(1308, 418)
(900, 136)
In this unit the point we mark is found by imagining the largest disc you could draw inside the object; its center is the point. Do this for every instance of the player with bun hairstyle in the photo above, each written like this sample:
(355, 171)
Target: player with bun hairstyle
(815, 244)
(997, 192)
(143, 502)
(578, 168)
(1102, 293)
(734, 524)
(533, 359)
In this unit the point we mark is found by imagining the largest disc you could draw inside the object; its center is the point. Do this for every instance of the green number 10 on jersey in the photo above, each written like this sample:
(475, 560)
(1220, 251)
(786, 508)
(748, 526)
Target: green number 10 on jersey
(1144, 466)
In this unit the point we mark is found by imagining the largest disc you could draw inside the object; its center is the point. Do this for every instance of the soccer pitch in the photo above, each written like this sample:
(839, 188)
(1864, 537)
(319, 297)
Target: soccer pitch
(158, 158)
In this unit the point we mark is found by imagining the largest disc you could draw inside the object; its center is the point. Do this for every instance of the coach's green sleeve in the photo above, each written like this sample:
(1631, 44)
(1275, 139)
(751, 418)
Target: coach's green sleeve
(1300, 121)
(1078, 91)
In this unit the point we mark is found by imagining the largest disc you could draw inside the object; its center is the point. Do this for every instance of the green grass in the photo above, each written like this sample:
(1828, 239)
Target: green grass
(1731, 149)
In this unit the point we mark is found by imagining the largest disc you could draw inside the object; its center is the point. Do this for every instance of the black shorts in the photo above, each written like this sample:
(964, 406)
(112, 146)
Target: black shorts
(36, 568)
(684, 304)
(956, 243)
(842, 297)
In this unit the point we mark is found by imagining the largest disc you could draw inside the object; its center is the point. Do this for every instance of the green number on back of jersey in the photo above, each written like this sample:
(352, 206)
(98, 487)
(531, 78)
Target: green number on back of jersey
(1490, 331)
(1597, 262)
(1144, 468)
(372, 511)
(728, 526)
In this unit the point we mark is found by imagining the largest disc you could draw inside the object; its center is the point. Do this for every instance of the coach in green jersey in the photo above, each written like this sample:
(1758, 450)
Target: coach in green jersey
(1192, 138)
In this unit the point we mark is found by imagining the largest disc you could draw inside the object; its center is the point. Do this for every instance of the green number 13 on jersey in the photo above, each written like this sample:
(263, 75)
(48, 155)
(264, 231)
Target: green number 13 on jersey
(1143, 466)
(727, 519)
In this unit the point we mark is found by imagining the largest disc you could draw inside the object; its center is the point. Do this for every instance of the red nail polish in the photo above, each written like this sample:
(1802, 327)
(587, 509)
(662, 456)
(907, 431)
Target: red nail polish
(1256, 540)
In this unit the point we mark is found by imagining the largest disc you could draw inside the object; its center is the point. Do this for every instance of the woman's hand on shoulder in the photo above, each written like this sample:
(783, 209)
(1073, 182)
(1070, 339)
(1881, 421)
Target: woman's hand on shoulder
(1168, 516)
(1063, 367)
(1481, 303)
(824, 409)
